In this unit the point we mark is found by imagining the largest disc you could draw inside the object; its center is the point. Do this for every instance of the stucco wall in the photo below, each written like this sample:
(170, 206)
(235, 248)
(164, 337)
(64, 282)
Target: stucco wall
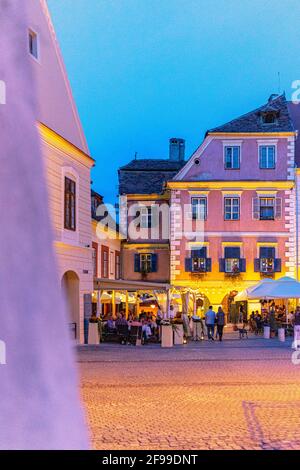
(73, 249)
(163, 265)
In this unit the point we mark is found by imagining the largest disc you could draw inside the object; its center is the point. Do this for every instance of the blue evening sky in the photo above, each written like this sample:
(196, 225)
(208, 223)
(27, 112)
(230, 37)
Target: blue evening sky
(143, 71)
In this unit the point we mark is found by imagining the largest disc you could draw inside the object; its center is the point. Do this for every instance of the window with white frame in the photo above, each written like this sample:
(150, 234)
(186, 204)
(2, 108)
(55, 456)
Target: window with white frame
(267, 156)
(146, 217)
(146, 263)
(267, 259)
(33, 44)
(118, 265)
(199, 208)
(231, 208)
(267, 208)
(199, 259)
(70, 204)
(231, 265)
(232, 259)
(232, 157)
(112, 262)
(95, 260)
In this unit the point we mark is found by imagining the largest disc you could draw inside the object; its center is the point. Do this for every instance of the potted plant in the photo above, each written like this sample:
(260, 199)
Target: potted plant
(178, 332)
(93, 335)
(267, 329)
(166, 334)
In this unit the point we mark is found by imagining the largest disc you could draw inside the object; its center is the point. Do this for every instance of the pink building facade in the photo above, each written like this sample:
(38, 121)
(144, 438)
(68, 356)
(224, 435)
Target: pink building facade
(233, 207)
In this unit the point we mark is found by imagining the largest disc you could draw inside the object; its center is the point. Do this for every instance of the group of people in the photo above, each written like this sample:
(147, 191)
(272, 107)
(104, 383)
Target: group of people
(213, 320)
(273, 317)
(148, 324)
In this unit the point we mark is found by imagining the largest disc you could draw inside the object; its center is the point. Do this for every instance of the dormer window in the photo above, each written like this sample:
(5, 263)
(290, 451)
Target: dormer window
(269, 117)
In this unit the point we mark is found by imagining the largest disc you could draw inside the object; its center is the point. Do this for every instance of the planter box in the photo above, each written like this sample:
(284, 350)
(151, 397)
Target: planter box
(166, 336)
(281, 334)
(178, 334)
(93, 333)
(267, 332)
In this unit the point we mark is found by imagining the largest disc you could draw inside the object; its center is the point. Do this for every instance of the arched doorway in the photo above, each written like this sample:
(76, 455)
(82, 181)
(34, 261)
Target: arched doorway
(70, 289)
(230, 307)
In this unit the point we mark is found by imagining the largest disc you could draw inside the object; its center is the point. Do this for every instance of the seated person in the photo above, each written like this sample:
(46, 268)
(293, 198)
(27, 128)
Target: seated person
(146, 330)
(121, 320)
(110, 324)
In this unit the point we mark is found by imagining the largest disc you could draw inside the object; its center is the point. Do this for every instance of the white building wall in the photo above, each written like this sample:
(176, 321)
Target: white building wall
(73, 249)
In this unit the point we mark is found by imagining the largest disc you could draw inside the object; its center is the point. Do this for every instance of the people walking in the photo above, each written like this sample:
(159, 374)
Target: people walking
(210, 319)
(220, 321)
(297, 328)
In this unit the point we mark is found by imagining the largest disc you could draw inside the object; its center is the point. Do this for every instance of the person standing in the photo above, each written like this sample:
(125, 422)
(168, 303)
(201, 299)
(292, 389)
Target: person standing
(241, 313)
(220, 320)
(210, 319)
(297, 328)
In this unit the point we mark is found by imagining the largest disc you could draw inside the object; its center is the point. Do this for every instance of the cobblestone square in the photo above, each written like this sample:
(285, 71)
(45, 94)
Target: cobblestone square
(231, 395)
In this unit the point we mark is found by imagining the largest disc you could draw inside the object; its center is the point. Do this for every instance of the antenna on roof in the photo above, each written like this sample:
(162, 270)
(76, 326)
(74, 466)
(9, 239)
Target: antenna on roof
(279, 83)
(135, 155)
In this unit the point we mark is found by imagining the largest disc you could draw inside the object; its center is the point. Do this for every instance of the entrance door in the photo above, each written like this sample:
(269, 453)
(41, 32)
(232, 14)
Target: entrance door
(70, 289)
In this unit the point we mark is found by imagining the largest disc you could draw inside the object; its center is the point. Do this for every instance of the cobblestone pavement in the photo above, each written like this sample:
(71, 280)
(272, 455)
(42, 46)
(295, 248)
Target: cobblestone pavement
(231, 395)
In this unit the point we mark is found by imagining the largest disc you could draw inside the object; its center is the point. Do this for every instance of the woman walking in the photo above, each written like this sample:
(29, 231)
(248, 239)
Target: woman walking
(220, 321)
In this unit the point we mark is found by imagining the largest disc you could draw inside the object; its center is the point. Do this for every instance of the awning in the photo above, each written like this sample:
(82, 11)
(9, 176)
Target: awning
(131, 286)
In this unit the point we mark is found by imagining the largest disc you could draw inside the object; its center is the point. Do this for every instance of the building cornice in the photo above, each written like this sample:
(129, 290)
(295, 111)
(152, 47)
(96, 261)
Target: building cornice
(57, 141)
(147, 197)
(146, 246)
(226, 185)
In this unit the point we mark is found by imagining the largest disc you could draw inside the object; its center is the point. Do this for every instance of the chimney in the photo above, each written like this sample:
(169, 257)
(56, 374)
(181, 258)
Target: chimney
(177, 149)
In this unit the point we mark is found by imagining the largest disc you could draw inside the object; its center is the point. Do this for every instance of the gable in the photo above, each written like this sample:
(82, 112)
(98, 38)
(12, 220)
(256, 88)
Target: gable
(247, 131)
(57, 109)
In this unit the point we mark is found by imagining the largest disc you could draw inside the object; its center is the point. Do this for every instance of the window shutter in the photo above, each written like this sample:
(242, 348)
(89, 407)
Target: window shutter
(232, 252)
(154, 263)
(257, 265)
(222, 265)
(278, 208)
(188, 265)
(267, 252)
(242, 265)
(208, 265)
(255, 208)
(277, 265)
(137, 264)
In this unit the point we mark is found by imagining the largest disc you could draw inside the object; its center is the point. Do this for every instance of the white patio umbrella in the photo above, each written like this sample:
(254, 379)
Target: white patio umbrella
(253, 291)
(283, 288)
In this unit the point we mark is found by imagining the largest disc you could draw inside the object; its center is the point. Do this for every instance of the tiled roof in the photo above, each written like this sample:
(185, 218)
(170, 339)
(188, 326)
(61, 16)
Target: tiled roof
(295, 116)
(148, 164)
(252, 122)
(147, 176)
